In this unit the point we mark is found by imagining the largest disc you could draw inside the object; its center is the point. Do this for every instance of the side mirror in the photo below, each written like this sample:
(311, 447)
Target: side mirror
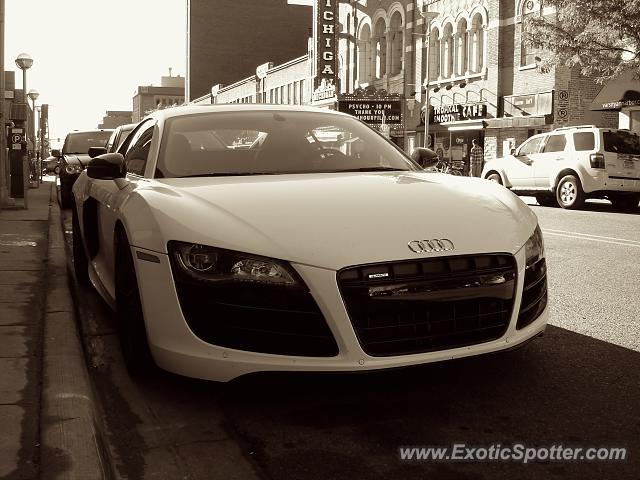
(95, 151)
(56, 153)
(107, 167)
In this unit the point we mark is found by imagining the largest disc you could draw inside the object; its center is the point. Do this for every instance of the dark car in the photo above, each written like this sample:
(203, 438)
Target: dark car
(51, 165)
(425, 157)
(74, 158)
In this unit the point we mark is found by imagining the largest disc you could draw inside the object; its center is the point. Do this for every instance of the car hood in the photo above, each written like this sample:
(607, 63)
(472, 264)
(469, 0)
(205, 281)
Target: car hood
(76, 159)
(337, 220)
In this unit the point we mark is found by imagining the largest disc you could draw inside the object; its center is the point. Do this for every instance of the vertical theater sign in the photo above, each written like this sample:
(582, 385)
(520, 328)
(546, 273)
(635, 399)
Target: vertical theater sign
(326, 51)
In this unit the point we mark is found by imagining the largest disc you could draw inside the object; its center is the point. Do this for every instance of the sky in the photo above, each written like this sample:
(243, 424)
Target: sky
(89, 56)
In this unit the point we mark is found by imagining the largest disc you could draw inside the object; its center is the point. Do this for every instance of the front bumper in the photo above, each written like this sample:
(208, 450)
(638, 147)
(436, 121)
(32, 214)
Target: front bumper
(177, 349)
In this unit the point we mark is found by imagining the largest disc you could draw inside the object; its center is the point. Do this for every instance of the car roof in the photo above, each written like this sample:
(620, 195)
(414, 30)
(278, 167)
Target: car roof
(237, 107)
(91, 130)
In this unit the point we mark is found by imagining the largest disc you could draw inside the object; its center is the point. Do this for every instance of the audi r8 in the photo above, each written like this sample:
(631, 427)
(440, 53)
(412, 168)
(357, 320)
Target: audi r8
(233, 239)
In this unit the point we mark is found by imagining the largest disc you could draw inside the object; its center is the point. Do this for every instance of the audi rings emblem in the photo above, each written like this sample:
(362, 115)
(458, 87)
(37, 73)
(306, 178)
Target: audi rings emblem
(431, 246)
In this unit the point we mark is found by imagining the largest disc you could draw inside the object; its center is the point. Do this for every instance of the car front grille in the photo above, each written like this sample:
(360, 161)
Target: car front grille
(256, 318)
(429, 305)
(534, 293)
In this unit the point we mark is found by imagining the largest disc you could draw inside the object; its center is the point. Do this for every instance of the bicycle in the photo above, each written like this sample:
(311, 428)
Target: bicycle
(451, 168)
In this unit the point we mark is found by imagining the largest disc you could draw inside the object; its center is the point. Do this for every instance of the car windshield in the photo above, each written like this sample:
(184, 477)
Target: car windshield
(81, 142)
(273, 142)
(618, 141)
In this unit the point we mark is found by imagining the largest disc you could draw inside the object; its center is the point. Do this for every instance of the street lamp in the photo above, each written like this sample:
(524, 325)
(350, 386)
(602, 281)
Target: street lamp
(33, 95)
(428, 17)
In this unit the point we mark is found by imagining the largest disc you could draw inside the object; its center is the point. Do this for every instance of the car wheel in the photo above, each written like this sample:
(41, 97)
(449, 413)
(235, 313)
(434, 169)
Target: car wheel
(569, 192)
(546, 200)
(80, 262)
(56, 170)
(626, 203)
(494, 177)
(130, 319)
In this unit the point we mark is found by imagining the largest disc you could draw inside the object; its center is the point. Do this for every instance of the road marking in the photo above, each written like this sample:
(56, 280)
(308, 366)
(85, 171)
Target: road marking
(594, 238)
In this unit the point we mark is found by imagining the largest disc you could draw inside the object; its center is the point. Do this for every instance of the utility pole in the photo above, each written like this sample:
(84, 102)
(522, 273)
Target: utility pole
(4, 163)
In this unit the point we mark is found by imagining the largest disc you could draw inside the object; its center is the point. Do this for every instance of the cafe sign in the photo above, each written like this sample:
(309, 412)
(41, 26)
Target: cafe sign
(458, 112)
(326, 55)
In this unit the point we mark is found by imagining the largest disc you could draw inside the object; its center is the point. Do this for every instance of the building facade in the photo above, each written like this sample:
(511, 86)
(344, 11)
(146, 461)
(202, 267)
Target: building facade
(150, 98)
(462, 64)
(227, 39)
(115, 118)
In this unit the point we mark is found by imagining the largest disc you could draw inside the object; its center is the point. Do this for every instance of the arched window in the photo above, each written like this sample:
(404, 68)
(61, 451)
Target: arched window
(476, 47)
(380, 49)
(396, 43)
(527, 53)
(364, 55)
(434, 54)
(461, 60)
(447, 51)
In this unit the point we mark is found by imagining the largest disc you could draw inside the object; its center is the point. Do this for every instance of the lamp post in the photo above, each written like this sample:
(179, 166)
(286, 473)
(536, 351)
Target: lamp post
(33, 95)
(24, 62)
(428, 17)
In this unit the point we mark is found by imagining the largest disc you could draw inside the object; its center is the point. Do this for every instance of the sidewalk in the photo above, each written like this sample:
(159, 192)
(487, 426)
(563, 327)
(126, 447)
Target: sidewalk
(47, 429)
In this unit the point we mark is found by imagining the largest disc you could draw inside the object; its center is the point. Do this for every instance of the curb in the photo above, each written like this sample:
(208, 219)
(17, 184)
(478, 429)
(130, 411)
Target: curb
(70, 433)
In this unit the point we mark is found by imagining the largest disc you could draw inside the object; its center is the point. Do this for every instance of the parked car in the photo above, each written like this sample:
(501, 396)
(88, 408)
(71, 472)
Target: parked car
(74, 158)
(319, 247)
(51, 165)
(570, 164)
(118, 137)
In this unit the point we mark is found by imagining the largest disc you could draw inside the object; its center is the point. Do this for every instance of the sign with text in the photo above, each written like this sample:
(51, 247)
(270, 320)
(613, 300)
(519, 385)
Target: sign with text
(374, 112)
(458, 112)
(326, 55)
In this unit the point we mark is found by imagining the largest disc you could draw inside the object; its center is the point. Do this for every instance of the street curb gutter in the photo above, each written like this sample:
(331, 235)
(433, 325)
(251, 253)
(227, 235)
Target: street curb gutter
(72, 446)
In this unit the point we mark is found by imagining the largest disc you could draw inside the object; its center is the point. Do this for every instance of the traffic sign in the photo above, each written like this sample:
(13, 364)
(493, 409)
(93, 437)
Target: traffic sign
(16, 137)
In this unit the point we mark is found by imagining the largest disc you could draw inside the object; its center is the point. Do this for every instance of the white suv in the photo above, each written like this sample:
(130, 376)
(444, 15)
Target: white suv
(567, 165)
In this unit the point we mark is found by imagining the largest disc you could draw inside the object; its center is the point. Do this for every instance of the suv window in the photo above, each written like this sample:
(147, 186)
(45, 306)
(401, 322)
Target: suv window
(621, 142)
(530, 146)
(584, 141)
(555, 143)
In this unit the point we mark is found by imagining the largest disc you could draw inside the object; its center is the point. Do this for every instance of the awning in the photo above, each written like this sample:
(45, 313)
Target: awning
(621, 92)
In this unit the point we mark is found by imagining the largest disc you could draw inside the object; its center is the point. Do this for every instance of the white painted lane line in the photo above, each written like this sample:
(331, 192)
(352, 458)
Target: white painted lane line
(636, 245)
(579, 235)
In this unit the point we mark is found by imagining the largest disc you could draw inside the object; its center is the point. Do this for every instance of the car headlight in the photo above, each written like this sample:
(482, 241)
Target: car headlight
(534, 248)
(210, 264)
(71, 169)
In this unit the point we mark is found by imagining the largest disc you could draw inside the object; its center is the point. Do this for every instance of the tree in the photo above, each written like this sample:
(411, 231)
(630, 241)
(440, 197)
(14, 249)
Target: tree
(601, 37)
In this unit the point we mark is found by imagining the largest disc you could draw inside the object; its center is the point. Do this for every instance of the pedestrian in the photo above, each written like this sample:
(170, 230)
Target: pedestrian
(476, 158)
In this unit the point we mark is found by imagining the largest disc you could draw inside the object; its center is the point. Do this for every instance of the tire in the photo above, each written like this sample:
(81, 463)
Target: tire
(80, 262)
(56, 170)
(455, 173)
(626, 203)
(494, 177)
(130, 319)
(569, 193)
(546, 200)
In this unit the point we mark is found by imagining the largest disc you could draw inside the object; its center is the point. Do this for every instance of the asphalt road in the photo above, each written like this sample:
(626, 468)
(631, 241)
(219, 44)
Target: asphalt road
(578, 386)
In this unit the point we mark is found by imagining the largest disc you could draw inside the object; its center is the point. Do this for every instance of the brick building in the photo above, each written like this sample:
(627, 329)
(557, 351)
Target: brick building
(484, 83)
(227, 39)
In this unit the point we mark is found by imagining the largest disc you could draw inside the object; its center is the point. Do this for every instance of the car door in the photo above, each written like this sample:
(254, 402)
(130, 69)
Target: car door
(520, 165)
(111, 195)
(554, 152)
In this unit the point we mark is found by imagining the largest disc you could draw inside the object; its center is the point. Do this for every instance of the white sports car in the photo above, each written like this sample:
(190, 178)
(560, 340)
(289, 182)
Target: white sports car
(233, 239)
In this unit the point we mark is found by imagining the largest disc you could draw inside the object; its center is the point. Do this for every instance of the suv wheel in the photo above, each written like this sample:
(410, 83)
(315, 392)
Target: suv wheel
(80, 262)
(569, 193)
